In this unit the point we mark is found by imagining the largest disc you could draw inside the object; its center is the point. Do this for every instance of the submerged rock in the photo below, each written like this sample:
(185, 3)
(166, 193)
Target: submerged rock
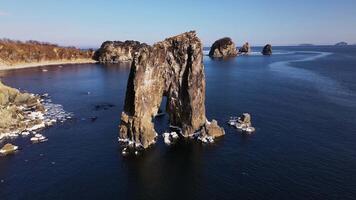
(267, 50)
(117, 51)
(223, 47)
(245, 49)
(172, 68)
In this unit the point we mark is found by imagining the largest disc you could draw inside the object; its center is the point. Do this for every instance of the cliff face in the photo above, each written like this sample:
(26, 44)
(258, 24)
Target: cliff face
(172, 68)
(117, 51)
(223, 47)
(16, 52)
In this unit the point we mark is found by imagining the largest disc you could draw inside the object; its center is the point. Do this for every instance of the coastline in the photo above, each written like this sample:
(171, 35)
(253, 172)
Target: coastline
(4, 67)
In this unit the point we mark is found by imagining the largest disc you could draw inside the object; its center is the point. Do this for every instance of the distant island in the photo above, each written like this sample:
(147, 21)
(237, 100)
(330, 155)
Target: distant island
(17, 54)
(306, 45)
(341, 44)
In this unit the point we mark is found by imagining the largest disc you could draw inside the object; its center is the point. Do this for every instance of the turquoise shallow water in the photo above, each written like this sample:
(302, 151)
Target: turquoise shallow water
(302, 100)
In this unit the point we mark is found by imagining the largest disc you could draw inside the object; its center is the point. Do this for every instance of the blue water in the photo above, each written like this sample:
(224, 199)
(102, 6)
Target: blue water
(303, 104)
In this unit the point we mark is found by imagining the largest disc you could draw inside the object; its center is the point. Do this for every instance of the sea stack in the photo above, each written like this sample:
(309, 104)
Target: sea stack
(267, 50)
(245, 49)
(117, 51)
(172, 68)
(223, 48)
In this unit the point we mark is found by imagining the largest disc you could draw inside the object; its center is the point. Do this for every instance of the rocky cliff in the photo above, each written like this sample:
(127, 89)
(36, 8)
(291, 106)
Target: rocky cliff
(172, 68)
(267, 50)
(223, 47)
(117, 51)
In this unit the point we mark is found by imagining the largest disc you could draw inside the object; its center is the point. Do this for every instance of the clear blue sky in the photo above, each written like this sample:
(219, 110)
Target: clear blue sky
(88, 22)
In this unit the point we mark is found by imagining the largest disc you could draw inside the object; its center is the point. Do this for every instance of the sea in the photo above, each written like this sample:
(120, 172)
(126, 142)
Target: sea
(303, 105)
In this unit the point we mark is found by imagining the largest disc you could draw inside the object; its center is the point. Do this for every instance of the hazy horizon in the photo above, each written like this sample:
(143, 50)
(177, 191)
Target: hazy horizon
(85, 25)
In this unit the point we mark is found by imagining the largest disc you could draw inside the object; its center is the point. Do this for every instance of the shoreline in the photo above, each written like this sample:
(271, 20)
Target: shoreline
(4, 67)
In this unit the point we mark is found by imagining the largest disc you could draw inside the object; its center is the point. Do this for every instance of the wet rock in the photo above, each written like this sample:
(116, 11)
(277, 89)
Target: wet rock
(245, 49)
(267, 50)
(8, 148)
(245, 118)
(117, 51)
(172, 68)
(223, 48)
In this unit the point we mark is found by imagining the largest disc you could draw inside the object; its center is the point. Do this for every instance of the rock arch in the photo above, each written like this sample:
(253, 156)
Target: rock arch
(172, 68)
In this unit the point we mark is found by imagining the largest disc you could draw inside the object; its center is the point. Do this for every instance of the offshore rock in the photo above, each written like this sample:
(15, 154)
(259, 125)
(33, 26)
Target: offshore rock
(245, 49)
(267, 50)
(223, 47)
(172, 68)
(117, 51)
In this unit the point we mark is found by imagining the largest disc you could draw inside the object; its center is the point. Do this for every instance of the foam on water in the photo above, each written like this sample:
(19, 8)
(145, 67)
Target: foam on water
(331, 89)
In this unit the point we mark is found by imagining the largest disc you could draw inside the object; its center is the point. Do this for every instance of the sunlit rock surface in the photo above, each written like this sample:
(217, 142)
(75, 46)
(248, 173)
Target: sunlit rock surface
(117, 51)
(172, 68)
(223, 48)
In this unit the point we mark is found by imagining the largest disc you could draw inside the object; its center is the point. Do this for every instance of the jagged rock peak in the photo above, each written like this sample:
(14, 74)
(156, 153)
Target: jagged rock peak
(223, 47)
(172, 68)
(117, 51)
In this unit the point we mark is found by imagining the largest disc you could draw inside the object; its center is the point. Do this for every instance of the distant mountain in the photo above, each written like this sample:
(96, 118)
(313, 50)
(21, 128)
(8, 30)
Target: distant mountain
(341, 44)
(306, 45)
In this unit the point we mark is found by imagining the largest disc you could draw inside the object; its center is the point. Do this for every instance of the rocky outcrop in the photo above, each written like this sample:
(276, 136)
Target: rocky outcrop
(172, 68)
(117, 51)
(222, 48)
(245, 49)
(267, 50)
(8, 149)
(15, 108)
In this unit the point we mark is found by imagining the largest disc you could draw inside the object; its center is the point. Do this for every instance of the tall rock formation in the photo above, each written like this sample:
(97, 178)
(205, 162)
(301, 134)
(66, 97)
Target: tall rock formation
(223, 48)
(267, 50)
(172, 68)
(245, 49)
(117, 51)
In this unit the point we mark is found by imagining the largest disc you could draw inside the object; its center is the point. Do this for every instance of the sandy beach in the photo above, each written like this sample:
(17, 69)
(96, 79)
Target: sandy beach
(45, 63)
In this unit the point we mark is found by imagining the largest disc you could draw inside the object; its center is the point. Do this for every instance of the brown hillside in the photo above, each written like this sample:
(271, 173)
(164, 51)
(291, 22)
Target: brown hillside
(17, 52)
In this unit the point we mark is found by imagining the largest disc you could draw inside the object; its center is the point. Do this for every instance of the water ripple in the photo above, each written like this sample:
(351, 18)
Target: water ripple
(329, 88)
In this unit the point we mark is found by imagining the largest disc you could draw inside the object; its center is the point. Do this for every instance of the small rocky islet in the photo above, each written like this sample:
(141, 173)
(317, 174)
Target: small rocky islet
(226, 48)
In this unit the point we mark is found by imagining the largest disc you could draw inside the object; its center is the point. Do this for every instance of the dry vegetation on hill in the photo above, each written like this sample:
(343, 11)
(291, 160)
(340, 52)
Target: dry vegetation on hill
(16, 52)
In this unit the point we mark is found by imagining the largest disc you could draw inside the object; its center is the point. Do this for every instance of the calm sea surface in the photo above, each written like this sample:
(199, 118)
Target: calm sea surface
(303, 105)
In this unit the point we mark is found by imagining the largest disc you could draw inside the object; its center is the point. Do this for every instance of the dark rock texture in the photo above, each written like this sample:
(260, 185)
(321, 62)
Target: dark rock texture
(117, 51)
(245, 49)
(172, 68)
(267, 50)
(223, 47)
